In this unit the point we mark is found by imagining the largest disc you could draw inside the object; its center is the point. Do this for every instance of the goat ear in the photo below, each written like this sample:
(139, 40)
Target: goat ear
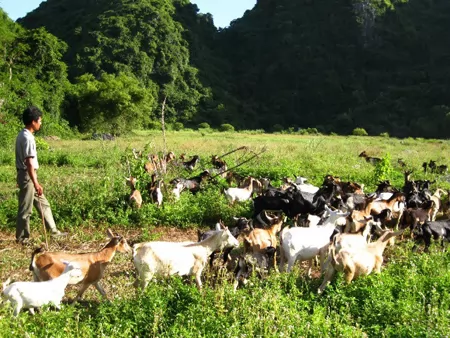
(109, 233)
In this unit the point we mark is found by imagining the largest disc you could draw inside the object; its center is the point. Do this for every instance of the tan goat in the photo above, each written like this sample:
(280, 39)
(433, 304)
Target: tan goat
(258, 240)
(437, 206)
(358, 261)
(49, 265)
(135, 196)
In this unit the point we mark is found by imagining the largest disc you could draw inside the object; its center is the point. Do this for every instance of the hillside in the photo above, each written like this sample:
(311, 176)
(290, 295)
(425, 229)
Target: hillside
(335, 66)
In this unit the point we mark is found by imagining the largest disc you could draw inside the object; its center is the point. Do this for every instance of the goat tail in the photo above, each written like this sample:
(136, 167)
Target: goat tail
(35, 252)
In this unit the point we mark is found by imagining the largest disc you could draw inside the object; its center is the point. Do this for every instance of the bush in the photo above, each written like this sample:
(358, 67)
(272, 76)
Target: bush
(154, 125)
(309, 131)
(385, 134)
(226, 127)
(204, 125)
(359, 132)
(177, 126)
(277, 128)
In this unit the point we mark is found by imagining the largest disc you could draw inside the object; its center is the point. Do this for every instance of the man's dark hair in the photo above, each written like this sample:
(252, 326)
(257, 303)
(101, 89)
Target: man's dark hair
(31, 114)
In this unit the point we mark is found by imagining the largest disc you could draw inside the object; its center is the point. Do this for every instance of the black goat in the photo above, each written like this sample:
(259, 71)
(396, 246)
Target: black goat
(190, 165)
(193, 183)
(435, 230)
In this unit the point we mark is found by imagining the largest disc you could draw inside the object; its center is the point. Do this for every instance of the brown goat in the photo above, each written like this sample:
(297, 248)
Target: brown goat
(135, 196)
(49, 265)
(258, 240)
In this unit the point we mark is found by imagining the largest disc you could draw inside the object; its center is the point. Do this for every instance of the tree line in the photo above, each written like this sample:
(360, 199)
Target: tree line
(108, 65)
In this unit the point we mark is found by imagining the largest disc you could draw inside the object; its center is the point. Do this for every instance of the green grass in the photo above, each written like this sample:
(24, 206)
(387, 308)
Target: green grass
(84, 181)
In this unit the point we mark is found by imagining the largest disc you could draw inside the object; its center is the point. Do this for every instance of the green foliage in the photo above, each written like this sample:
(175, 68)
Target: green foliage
(308, 131)
(385, 134)
(359, 132)
(203, 125)
(113, 104)
(9, 128)
(277, 128)
(177, 126)
(154, 125)
(383, 170)
(226, 127)
(41, 144)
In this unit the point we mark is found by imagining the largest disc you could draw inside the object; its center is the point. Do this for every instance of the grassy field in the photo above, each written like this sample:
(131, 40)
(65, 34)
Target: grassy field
(85, 183)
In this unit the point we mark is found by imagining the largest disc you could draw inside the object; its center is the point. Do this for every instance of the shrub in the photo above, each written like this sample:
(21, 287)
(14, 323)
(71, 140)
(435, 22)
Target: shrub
(177, 126)
(154, 125)
(277, 128)
(204, 125)
(41, 144)
(226, 127)
(385, 134)
(359, 132)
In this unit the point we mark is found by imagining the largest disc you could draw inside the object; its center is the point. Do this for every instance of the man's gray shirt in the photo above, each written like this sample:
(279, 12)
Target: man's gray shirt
(25, 147)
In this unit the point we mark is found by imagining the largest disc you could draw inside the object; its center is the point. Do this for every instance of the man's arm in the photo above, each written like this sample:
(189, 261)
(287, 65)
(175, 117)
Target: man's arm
(33, 176)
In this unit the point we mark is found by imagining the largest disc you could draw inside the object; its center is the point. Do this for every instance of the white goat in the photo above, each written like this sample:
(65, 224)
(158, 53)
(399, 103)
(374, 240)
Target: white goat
(176, 191)
(169, 258)
(304, 244)
(31, 295)
(301, 184)
(239, 194)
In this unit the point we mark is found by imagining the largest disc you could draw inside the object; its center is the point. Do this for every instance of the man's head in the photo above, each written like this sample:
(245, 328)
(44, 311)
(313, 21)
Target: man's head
(32, 116)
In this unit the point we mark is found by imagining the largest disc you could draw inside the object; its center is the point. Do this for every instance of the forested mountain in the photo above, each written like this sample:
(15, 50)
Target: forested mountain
(330, 64)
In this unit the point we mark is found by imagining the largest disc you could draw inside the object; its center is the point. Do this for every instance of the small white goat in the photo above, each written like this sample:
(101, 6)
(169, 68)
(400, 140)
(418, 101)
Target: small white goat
(31, 295)
(304, 244)
(176, 191)
(239, 194)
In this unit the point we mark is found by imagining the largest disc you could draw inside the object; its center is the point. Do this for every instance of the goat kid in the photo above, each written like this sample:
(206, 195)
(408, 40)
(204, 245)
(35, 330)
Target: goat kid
(48, 265)
(31, 295)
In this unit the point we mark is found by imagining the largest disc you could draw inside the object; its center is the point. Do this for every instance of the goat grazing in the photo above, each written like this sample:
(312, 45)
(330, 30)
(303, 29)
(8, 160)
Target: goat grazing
(239, 194)
(135, 196)
(371, 160)
(358, 261)
(31, 295)
(48, 265)
(437, 206)
(190, 165)
(169, 258)
(304, 244)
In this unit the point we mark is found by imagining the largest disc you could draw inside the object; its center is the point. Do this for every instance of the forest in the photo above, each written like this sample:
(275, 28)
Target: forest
(286, 65)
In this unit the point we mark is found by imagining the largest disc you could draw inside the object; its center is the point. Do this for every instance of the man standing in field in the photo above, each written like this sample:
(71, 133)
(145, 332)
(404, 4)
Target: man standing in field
(30, 191)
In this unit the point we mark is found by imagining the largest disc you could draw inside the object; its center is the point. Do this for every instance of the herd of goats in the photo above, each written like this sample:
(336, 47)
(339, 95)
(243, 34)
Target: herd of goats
(347, 229)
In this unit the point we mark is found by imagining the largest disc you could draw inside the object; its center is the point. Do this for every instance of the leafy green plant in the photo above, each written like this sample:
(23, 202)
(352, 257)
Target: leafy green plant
(226, 127)
(383, 169)
(359, 132)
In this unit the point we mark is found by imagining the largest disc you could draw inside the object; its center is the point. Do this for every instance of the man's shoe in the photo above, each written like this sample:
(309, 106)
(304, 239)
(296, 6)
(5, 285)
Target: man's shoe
(58, 234)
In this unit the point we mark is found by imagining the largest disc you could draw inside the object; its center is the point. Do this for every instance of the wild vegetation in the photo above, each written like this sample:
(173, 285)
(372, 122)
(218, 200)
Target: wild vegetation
(335, 66)
(85, 183)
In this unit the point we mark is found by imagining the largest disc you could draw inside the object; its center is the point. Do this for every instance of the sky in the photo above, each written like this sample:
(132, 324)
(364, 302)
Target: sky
(223, 11)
